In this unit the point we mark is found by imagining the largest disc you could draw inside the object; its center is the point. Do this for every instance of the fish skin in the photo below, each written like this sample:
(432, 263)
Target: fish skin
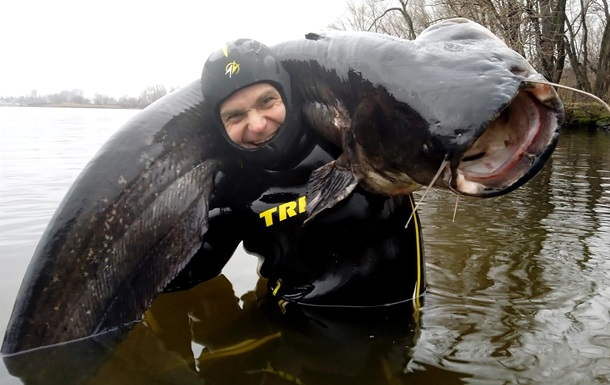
(400, 108)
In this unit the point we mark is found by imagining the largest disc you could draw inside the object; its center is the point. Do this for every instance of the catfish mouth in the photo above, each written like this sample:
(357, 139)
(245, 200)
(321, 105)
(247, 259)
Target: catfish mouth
(513, 148)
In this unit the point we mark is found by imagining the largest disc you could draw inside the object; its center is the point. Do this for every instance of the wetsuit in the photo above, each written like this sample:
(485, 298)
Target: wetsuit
(358, 253)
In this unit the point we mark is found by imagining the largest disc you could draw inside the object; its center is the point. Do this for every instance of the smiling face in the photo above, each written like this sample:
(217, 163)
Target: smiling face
(253, 115)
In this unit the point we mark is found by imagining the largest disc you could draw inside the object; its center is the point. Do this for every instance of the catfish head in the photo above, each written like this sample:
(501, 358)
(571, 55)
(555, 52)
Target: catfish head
(471, 116)
(511, 149)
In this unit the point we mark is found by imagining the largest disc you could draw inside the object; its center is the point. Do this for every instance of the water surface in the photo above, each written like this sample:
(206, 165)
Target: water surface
(519, 286)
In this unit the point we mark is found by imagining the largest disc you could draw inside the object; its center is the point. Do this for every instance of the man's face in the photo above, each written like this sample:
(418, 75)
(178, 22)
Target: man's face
(253, 115)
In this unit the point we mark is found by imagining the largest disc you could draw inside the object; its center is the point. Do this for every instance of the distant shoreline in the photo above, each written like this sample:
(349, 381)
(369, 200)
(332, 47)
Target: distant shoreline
(68, 105)
(577, 115)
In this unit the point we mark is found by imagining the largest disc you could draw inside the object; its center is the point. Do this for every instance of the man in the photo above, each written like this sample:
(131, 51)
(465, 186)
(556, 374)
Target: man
(357, 254)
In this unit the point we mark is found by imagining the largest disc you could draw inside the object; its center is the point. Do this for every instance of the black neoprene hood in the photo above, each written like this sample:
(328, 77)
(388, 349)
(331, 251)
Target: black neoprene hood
(241, 63)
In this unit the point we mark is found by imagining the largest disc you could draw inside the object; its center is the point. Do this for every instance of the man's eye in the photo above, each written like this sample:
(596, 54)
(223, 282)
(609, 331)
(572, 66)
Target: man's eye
(269, 100)
(233, 118)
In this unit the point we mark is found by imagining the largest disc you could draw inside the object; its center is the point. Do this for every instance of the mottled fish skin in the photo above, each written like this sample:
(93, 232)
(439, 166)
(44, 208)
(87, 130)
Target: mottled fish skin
(400, 108)
(130, 222)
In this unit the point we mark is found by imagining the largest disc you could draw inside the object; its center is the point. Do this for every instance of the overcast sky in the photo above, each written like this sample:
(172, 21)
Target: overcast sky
(120, 47)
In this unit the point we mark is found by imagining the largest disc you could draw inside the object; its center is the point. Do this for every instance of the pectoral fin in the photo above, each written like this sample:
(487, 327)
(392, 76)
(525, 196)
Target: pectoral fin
(328, 185)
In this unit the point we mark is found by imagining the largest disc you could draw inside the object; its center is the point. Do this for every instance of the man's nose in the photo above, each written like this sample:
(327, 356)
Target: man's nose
(256, 122)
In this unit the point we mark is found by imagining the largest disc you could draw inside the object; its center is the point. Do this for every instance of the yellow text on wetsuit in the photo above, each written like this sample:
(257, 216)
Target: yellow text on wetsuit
(285, 210)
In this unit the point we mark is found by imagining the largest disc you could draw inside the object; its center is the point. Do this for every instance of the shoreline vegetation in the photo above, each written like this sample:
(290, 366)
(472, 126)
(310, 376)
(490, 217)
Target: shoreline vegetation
(68, 105)
(592, 116)
(75, 98)
(80, 105)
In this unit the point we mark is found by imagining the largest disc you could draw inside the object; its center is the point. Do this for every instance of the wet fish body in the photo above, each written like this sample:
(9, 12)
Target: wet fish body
(138, 211)
(400, 109)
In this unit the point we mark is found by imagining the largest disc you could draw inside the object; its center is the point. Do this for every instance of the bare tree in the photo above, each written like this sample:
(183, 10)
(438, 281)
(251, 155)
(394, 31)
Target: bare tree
(577, 41)
(547, 28)
(101, 99)
(588, 46)
(150, 94)
(602, 70)
(401, 18)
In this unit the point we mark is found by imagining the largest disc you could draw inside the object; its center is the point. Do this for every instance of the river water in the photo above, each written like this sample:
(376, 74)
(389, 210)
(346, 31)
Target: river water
(519, 286)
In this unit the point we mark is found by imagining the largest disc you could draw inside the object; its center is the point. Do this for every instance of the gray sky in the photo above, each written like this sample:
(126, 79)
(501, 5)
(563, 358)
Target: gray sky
(119, 47)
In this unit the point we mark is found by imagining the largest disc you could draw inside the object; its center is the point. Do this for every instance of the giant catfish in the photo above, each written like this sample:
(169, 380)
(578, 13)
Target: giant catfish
(456, 100)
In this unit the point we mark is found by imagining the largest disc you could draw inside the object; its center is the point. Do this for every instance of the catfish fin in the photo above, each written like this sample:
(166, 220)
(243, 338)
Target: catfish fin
(328, 185)
(176, 222)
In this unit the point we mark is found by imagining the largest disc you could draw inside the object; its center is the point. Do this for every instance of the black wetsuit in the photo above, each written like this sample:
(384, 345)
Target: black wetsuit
(357, 253)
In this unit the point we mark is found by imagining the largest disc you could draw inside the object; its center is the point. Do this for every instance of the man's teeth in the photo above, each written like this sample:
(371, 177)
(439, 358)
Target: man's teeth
(264, 140)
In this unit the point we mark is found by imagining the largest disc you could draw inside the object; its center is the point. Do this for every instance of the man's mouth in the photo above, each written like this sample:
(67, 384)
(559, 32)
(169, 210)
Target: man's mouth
(263, 141)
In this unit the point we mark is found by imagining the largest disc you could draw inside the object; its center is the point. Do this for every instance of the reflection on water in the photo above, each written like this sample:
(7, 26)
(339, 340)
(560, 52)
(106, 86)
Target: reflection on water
(519, 286)
(226, 343)
(208, 335)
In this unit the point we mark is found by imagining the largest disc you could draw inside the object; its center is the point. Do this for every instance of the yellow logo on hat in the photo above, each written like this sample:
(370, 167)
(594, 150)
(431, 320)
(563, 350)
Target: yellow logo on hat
(232, 68)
